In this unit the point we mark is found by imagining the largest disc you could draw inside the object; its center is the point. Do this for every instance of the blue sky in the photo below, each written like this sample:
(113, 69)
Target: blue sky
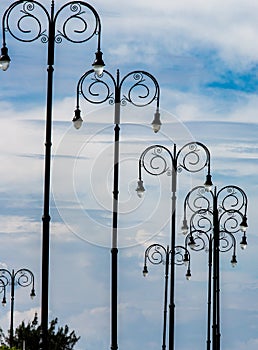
(204, 56)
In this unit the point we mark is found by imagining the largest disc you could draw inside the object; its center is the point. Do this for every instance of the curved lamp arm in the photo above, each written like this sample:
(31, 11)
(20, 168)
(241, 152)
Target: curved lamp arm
(141, 89)
(28, 12)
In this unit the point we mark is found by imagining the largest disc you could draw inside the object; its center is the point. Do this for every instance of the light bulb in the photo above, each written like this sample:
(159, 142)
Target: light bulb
(156, 124)
(77, 120)
(98, 64)
(140, 189)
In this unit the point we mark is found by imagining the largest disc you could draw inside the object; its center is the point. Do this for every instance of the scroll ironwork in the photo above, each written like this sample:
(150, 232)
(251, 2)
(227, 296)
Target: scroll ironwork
(80, 22)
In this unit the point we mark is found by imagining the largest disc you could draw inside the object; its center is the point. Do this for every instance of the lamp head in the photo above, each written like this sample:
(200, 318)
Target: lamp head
(32, 293)
(156, 124)
(98, 64)
(243, 243)
(4, 59)
(77, 120)
(191, 242)
(4, 301)
(140, 189)
(233, 260)
(208, 183)
(184, 227)
(188, 274)
(186, 259)
(243, 226)
(145, 271)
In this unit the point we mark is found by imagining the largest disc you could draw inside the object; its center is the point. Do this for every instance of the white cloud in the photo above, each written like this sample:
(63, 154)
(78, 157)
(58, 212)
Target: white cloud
(19, 316)
(185, 27)
(18, 225)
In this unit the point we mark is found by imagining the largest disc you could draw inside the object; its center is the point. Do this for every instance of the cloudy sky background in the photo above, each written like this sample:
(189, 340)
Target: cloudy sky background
(204, 56)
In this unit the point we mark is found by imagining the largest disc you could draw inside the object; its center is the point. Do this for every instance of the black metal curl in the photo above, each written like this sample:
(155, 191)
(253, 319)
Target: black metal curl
(140, 83)
(2, 285)
(4, 280)
(90, 80)
(230, 220)
(235, 198)
(233, 202)
(180, 255)
(75, 7)
(227, 241)
(155, 254)
(197, 200)
(27, 8)
(97, 89)
(22, 277)
(153, 161)
(230, 211)
(145, 97)
(193, 157)
(200, 239)
(201, 221)
(187, 158)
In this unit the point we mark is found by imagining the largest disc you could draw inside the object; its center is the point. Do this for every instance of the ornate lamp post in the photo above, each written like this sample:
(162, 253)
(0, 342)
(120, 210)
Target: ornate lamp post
(140, 89)
(216, 217)
(192, 157)
(200, 240)
(22, 278)
(31, 13)
(157, 254)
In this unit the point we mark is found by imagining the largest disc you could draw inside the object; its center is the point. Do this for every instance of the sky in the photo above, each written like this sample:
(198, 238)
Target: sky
(204, 56)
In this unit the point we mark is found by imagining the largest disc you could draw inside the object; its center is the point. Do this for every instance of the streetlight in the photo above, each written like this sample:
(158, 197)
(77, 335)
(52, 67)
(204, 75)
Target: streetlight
(199, 240)
(157, 254)
(216, 217)
(192, 157)
(22, 278)
(140, 89)
(30, 13)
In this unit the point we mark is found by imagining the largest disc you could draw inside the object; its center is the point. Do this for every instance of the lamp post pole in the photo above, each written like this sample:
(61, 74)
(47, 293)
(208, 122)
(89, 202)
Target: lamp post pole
(31, 12)
(228, 209)
(216, 278)
(157, 254)
(149, 91)
(22, 278)
(201, 240)
(192, 157)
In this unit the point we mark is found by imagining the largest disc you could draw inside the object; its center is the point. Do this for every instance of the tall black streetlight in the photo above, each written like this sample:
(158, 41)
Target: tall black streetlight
(216, 218)
(22, 278)
(140, 89)
(157, 254)
(30, 13)
(192, 157)
(199, 240)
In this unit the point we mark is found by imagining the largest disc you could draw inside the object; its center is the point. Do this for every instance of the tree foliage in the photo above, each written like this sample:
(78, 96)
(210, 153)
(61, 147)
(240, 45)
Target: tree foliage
(59, 339)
